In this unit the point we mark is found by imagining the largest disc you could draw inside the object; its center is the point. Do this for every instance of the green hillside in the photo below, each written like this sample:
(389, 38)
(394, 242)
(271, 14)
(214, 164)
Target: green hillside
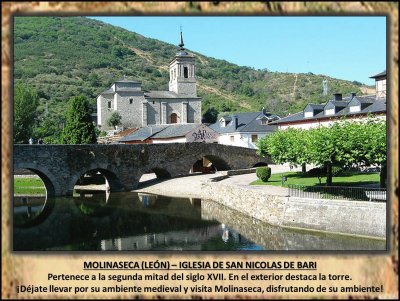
(67, 56)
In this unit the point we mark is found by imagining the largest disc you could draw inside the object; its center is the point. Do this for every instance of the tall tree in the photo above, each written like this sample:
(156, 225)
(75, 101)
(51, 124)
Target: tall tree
(79, 128)
(26, 101)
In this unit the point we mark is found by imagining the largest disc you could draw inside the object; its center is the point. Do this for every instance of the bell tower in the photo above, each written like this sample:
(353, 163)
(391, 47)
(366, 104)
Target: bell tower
(182, 78)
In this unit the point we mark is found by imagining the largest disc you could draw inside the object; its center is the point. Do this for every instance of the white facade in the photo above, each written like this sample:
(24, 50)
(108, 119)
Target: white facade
(380, 86)
(318, 123)
(241, 139)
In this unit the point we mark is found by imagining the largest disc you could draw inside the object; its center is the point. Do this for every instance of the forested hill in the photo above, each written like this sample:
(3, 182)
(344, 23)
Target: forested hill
(63, 57)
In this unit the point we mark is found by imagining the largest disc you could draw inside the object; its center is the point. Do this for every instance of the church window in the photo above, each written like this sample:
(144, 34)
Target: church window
(109, 104)
(174, 118)
(254, 138)
(185, 72)
(232, 138)
(131, 100)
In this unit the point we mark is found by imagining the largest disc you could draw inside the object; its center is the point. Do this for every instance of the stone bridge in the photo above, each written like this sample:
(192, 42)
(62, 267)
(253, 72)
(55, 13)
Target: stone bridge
(60, 166)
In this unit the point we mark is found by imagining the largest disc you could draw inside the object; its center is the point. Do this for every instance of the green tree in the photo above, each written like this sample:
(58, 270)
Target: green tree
(114, 119)
(210, 116)
(340, 145)
(50, 129)
(285, 146)
(79, 128)
(323, 149)
(26, 101)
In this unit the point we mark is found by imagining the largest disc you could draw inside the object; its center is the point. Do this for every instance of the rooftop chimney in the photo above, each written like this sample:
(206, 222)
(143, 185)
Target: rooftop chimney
(235, 121)
(337, 96)
(352, 95)
(264, 111)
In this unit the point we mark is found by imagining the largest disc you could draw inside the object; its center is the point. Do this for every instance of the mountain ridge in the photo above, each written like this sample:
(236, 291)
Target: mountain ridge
(63, 57)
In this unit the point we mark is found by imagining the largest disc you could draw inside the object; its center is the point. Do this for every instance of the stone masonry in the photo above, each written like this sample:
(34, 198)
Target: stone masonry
(347, 217)
(60, 166)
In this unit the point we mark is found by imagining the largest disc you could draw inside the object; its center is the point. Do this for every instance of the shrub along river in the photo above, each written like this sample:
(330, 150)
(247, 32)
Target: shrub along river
(99, 221)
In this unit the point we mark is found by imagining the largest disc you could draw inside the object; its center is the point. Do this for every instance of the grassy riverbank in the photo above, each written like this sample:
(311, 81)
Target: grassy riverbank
(28, 185)
(298, 178)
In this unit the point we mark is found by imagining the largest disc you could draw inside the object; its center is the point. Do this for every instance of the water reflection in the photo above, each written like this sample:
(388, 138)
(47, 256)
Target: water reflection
(129, 221)
(30, 210)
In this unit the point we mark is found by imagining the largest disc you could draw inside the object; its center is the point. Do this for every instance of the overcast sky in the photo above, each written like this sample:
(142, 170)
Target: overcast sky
(350, 48)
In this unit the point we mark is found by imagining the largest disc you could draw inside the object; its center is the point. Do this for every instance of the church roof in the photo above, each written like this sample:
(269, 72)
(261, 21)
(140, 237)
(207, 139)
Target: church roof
(108, 91)
(124, 80)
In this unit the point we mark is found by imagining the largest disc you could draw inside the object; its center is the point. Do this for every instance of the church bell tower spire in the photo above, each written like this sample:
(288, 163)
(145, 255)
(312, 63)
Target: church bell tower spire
(182, 73)
(181, 44)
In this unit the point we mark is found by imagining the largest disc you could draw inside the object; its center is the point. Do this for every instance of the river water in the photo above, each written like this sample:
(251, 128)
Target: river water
(96, 221)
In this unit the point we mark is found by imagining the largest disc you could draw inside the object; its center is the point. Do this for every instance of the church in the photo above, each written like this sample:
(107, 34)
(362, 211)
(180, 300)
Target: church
(139, 108)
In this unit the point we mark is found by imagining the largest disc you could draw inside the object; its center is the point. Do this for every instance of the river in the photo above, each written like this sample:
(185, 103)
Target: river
(99, 221)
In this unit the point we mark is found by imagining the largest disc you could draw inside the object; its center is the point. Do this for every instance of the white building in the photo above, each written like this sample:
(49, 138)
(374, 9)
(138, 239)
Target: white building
(380, 84)
(352, 107)
(244, 129)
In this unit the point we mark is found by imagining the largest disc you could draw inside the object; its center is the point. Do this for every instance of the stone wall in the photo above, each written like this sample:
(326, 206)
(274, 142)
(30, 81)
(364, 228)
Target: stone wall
(346, 217)
(281, 238)
(131, 113)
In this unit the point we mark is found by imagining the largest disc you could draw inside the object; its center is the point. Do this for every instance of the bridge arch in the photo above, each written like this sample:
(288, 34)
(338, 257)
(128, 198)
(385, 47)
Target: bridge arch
(161, 173)
(50, 181)
(209, 163)
(108, 172)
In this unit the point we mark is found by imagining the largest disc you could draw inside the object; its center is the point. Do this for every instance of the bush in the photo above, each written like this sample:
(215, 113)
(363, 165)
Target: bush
(263, 173)
(318, 172)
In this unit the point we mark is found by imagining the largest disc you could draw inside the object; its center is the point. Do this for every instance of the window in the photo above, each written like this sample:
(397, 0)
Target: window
(131, 100)
(174, 118)
(355, 108)
(109, 104)
(185, 72)
(232, 138)
(254, 138)
(329, 111)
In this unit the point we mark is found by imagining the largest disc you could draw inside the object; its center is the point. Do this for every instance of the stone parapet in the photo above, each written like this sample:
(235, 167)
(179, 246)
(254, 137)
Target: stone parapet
(336, 216)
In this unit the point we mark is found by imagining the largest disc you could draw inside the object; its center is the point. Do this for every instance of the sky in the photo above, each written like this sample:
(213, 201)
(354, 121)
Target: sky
(349, 48)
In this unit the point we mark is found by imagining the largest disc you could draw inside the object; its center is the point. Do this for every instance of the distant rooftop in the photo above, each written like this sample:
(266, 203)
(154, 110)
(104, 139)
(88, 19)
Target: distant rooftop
(383, 73)
(371, 106)
(161, 131)
(246, 122)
